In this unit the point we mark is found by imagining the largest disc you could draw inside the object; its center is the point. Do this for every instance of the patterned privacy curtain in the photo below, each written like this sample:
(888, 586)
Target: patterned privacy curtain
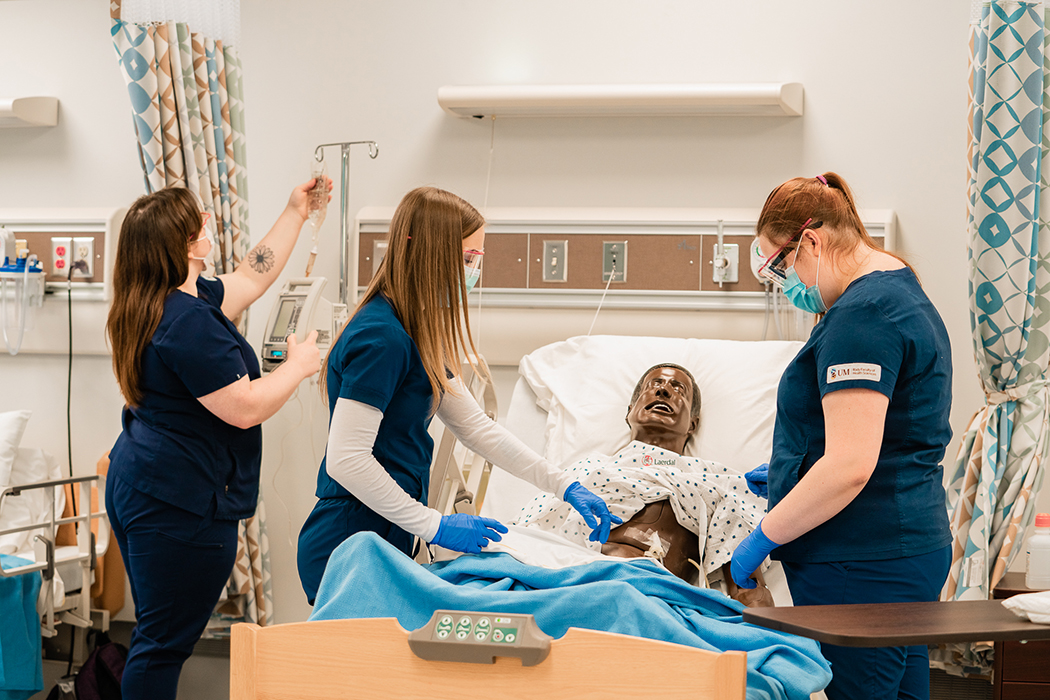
(187, 103)
(183, 72)
(1000, 464)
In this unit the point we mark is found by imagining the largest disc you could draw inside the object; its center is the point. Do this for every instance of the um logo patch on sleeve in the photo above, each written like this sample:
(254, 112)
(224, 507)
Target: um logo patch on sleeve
(854, 371)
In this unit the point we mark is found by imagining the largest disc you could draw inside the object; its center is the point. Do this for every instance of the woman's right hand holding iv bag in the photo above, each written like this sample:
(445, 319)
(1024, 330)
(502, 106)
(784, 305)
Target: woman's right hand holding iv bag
(461, 532)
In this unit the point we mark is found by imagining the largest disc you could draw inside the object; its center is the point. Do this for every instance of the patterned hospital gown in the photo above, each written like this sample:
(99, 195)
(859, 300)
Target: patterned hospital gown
(709, 499)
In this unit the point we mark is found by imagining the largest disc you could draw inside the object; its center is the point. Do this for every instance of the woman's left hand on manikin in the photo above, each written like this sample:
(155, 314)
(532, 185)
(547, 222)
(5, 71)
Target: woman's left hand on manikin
(297, 201)
(593, 509)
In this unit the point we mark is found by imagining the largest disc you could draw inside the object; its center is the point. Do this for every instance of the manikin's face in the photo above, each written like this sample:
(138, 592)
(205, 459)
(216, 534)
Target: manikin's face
(663, 406)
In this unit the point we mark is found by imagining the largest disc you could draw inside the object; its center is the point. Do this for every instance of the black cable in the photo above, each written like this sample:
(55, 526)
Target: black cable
(79, 264)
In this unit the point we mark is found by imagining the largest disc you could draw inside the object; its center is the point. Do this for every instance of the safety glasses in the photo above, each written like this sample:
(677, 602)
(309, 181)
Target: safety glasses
(472, 259)
(775, 267)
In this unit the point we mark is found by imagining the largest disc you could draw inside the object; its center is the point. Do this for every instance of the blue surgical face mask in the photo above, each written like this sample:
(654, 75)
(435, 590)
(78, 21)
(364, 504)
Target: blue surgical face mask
(473, 274)
(806, 298)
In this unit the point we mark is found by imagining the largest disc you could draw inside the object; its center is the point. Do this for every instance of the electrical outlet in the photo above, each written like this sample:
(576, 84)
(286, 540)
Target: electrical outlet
(555, 261)
(84, 250)
(614, 256)
(61, 255)
(379, 248)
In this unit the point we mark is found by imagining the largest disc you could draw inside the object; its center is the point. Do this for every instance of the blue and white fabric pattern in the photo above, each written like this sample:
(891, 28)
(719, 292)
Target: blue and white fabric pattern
(999, 467)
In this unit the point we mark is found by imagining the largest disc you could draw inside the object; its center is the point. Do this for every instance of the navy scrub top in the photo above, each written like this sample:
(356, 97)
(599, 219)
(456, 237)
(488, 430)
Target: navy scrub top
(172, 447)
(883, 334)
(376, 362)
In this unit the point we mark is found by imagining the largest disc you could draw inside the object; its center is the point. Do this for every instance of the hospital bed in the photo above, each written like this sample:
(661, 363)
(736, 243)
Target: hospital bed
(61, 542)
(570, 401)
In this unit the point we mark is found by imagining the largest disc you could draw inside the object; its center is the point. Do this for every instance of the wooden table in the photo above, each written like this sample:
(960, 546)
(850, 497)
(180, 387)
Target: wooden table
(900, 624)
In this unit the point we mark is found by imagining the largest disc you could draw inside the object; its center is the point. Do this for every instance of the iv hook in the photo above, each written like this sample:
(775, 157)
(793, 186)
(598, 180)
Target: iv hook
(373, 148)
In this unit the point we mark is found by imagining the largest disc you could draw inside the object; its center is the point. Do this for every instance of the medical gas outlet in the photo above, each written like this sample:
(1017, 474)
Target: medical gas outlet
(614, 261)
(725, 263)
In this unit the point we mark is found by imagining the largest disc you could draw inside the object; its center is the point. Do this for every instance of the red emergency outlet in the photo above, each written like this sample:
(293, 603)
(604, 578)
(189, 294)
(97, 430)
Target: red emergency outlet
(60, 263)
(61, 250)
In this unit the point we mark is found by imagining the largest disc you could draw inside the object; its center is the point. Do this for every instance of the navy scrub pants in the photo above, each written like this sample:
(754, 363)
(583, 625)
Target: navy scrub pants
(883, 673)
(177, 563)
(332, 521)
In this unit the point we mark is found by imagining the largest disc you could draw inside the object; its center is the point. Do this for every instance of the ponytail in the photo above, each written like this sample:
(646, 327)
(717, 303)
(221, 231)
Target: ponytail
(826, 198)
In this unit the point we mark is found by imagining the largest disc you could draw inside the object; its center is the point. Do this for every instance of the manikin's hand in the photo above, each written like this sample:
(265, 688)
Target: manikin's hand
(757, 597)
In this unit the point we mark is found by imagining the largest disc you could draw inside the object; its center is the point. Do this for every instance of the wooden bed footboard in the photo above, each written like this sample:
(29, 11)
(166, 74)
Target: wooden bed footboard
(370, 658)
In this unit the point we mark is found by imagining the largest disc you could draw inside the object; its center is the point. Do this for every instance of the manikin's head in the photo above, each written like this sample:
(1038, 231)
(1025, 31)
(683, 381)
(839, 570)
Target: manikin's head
(665, 407)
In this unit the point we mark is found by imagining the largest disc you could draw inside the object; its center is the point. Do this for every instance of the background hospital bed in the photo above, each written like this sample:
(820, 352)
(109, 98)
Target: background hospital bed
(38, 525)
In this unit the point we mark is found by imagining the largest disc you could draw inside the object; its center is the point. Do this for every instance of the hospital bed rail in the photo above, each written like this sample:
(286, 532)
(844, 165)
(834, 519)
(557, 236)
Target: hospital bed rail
(76, 610)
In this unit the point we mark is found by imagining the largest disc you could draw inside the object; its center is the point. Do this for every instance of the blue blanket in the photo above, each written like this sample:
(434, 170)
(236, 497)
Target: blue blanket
(21, 660)
(366, 577)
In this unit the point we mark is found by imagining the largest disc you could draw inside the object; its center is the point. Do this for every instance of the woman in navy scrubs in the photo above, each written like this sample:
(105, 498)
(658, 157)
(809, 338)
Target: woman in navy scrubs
(185, 468)
(394, 366)
(857, 508)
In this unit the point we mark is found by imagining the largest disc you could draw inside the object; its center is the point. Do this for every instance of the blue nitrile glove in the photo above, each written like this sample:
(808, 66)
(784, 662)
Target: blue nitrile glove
(593, 509)
(749, 555)
(756, 480)
(461, 532)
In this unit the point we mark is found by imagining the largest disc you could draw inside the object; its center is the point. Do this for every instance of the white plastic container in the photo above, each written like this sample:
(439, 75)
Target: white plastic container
(1037, 571)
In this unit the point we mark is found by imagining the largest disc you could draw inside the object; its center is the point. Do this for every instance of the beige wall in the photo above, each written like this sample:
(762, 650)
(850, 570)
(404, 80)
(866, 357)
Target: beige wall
(885, 106)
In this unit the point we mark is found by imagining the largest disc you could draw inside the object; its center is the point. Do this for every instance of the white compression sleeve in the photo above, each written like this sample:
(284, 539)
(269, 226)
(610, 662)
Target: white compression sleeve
(349, 460)
(462, 415)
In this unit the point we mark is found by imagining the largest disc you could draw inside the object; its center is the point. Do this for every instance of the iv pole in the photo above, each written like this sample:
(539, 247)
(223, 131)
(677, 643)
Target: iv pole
(344, 213)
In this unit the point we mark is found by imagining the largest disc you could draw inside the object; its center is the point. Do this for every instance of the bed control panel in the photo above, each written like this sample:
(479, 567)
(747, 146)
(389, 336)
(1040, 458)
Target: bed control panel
(479, 637)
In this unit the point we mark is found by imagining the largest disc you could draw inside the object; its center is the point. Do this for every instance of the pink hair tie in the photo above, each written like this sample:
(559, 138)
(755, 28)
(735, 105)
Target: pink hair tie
(821, 178)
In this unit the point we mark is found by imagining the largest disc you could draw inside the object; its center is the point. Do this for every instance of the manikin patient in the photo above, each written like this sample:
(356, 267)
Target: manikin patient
(670, 503)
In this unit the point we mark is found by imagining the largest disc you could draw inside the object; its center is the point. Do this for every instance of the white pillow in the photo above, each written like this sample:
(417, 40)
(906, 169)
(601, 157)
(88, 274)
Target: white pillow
(32, 464)
(12, 426)
(585, 384)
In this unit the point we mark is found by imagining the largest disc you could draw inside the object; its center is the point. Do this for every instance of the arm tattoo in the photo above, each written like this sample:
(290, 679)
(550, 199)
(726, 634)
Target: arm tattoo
(261, 259)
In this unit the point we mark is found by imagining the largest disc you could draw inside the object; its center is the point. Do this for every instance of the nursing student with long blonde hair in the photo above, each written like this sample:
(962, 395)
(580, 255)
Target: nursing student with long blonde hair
(394, 366)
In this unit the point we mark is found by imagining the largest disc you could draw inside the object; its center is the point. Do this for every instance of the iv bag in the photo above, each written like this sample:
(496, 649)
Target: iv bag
(317, 197)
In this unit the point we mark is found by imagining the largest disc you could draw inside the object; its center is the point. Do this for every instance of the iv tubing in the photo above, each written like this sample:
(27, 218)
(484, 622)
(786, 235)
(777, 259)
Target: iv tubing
(22, 317)
(602, 300)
